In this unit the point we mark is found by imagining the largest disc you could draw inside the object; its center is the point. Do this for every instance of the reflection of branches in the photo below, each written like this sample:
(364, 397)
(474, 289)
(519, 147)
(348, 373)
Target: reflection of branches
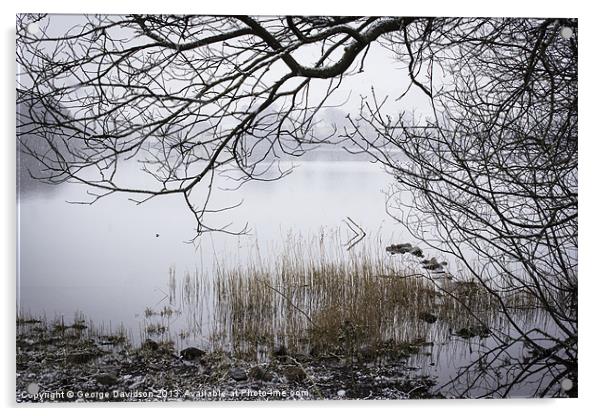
(358, 233)
(490, 177)
(499, 372)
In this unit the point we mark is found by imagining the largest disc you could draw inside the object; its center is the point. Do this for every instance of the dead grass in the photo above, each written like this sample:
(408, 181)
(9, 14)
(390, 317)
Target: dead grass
(317, 298)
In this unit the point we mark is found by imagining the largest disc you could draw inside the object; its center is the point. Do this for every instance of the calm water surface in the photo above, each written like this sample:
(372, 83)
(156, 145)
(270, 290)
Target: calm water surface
(106, 260)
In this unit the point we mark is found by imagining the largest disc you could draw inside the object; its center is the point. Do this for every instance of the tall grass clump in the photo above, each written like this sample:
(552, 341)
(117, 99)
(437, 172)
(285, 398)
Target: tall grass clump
(315, 297)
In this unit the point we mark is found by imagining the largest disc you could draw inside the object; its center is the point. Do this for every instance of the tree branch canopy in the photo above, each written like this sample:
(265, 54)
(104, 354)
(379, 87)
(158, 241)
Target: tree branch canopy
(490, 176)
(181, 96)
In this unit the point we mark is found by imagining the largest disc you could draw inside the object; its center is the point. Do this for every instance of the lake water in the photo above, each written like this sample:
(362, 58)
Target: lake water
(106, 260)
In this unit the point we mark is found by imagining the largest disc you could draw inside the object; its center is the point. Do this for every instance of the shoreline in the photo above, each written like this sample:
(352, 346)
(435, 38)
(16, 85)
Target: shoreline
(71, 364)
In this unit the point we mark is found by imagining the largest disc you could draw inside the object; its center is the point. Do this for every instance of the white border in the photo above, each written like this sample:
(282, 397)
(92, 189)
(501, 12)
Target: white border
(590, 207)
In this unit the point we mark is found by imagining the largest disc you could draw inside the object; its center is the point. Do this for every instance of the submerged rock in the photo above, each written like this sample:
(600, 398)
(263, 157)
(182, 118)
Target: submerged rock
(112, 339)
(28, 321)
(238, 374)
(428, 317)
(404, 248)
(416, 251)
(79, 326)
(192, 353)
(82, 357)
(150, 345)
(106, 379)
(280, 351)
(259, 373)
(474, 331)
(294, 374)
(433, 264)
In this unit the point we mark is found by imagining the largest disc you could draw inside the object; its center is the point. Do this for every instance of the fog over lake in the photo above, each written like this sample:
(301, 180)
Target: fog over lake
(92, 257)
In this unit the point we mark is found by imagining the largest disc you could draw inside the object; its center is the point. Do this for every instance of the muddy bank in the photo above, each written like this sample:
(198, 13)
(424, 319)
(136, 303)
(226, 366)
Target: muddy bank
(62, 363)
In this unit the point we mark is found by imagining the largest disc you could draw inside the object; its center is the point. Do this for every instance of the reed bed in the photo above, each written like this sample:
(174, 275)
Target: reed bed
(312, 296)
(315, 297)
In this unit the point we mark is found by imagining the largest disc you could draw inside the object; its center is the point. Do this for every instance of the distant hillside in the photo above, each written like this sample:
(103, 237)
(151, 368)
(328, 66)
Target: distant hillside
(29, 113)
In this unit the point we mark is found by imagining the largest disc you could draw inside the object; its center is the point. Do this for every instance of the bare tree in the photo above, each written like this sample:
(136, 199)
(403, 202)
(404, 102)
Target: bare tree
(181, 96)
(490, 177)
(491, 169)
